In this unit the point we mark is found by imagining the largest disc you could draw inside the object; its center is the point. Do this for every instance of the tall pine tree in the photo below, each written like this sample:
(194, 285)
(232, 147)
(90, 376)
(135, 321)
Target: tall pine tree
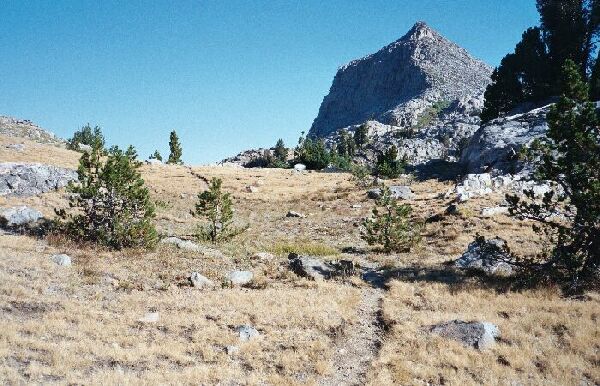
(175, 148)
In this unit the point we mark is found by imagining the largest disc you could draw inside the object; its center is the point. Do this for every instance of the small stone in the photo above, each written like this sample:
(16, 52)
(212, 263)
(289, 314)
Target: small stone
(199, 281)
(356, 206)
(292, 213)
(252, 189)
(490, 212)
(232, 350)
(150, 317)
(480, 335)
(246, 332)
(62, 259)
(299, 167)
(239, 277)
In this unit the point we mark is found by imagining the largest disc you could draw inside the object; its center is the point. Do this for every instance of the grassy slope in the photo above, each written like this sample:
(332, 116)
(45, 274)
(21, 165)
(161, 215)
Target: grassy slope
(79, 324)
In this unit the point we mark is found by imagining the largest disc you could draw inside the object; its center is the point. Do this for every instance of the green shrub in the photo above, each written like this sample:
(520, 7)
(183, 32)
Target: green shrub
(391, 225)
(216, 207)
(156, 155)
(388, 166)
(88, 136)
(361, 175)
(112, 206)
(175, 149)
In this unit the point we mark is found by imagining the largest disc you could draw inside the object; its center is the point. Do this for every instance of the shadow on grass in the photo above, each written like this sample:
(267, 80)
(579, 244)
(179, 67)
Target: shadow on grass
(445, 274)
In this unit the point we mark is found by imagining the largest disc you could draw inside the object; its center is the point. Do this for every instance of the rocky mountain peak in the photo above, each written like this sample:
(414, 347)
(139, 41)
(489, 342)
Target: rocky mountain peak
(400, 82)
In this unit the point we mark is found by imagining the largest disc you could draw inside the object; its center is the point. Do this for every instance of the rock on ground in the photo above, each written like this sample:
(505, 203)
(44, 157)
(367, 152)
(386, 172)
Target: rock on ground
(398, 192)
(189, 245)
(199, 281)
(238, 278)
(246, 332)
(292, 213)
(28, 179)
(19, 216)
(488, 256)
(310, 267)
(62, 259)
(480, 335)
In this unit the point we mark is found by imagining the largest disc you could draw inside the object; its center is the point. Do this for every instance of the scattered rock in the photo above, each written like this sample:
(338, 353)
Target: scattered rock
(310, 267)
(62, 259)
(19, 217)
(490, 212)
(16, 147)
(400, 192)
(239, 278)
(189, 245)
(153, 162)
(232, 350)
(397, 192)
(291, 213)
(150, 317)
(480, 335)
(299, 167)
(488, 256)
(252, 189)
(199, 281)
(24, 128)
(356, 206)
(247, 332)
(28, 179)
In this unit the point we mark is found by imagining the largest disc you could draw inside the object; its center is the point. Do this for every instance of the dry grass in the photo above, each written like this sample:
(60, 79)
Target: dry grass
(545, 339)
(79, 324)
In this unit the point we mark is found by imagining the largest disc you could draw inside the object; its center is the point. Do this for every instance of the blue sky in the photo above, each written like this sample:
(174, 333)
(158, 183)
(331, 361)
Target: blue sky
(227, 75)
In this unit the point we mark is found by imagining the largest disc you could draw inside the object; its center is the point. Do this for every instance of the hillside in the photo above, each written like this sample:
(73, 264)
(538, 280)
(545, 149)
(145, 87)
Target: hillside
(132, 316)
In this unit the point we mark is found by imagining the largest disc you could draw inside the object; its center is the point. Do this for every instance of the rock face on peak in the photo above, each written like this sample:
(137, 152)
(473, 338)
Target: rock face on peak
(399, 83)
(24, 128)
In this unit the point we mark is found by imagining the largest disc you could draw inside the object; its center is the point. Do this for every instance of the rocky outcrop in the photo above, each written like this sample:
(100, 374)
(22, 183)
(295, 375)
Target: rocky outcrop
(397, 84)
(489, 256)
(496, 145)
(19, 217)
(28, 179)
(23, 128)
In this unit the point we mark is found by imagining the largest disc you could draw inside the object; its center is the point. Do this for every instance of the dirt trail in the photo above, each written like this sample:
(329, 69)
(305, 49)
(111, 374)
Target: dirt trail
(358, 347)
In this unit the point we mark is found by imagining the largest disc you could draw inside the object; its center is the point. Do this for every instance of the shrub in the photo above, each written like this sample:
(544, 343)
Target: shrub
(175, 149)
(280, 152)
(217, 208)
(88, 136)
(313, 153)
(361, 175)
(387, 164)
(391, 225)
(569, 156)
(361, 135)
(156, 155)
(112, 204)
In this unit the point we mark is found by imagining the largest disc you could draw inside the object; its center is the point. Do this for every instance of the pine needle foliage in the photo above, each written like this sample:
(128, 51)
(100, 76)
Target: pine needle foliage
(110, 204)
(392, 225)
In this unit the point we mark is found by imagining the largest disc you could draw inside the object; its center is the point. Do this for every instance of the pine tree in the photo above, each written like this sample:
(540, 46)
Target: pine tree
(216, 207)
(570, 156)
(281, 152)
(595, 81)
(532, 73)
(361, 137)
(156, 155)
(88, 136)
(112, 204)
(175, 148)
(391, 225)
(388, 165)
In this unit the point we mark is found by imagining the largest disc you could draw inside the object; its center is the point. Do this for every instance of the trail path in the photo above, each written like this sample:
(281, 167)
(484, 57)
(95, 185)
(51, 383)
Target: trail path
(358, 347)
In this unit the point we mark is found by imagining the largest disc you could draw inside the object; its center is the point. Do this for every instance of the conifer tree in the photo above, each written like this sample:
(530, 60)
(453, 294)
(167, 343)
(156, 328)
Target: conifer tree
(569, 215)
(156, 155)
(175, 149)
(88, 136)
(361, 136)
(281, 152)
(391, 225)
(112, 205)
(216, 207)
